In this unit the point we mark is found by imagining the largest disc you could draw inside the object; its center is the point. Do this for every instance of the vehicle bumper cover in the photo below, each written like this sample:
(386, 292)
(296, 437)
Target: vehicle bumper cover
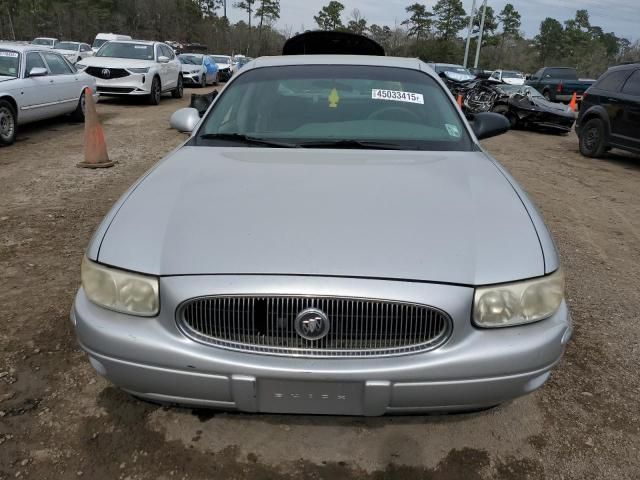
(134, 84)
(476, 368)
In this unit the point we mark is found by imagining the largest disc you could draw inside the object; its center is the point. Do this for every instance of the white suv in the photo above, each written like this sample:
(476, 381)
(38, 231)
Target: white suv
(135, 68)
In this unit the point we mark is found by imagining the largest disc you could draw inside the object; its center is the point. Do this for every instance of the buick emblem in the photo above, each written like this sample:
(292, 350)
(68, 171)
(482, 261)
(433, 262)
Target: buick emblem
(312, 324)
(106, 73)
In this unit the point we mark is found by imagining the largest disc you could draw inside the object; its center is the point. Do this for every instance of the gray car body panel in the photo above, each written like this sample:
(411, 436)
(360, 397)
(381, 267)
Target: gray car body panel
(418, 227)
(447, 217)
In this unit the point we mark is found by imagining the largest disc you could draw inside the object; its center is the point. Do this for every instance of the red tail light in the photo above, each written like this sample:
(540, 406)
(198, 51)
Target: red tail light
(559, 88)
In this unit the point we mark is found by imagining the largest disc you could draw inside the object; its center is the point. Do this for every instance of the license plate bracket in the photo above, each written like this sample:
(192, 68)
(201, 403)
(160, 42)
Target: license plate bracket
(310, 397)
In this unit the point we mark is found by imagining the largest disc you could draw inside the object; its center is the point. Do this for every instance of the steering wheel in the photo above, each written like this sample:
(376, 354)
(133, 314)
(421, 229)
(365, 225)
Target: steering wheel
(392, 113)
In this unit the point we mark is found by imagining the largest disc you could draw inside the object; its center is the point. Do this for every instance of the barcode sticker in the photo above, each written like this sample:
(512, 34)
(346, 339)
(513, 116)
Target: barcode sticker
(397, 96)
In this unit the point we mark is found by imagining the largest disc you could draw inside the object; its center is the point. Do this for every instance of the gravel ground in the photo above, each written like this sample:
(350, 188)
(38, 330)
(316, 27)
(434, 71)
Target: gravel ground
(59, 420)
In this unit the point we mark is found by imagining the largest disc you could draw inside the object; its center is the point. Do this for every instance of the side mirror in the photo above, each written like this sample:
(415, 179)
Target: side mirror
(38, 72)
(163, 59)
(185, 120)
(489, 124)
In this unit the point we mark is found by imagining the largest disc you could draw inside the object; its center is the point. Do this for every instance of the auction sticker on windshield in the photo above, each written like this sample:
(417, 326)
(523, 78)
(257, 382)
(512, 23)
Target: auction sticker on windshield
(397, 96)
(9, 54)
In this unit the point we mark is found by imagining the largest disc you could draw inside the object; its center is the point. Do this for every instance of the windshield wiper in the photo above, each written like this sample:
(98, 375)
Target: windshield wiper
(354, 144)
(239, 137)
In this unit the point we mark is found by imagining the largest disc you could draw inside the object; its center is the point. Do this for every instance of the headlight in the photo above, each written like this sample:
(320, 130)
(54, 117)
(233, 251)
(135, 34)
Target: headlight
(121, 291)
(139, 70)
(80, 66)
(518, 303)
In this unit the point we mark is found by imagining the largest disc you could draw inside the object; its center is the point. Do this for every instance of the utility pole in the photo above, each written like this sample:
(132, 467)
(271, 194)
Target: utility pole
(224, 6)
(469, 32)
(484, 12)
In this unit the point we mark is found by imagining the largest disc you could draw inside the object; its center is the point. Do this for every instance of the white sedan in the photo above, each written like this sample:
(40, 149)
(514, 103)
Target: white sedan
(74, 51)
(135, 68)
(38, 83)
(508, 77)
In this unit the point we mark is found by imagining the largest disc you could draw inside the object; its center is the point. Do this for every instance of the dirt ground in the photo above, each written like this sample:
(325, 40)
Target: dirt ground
(58, 419)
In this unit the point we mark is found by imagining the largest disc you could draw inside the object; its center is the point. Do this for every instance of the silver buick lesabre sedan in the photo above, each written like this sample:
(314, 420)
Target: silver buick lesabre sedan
(331, 239)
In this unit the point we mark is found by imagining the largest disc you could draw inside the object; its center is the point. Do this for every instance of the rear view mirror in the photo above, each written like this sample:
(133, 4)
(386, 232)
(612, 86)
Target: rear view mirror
(185, 120)
(489, 124)
(38, 72)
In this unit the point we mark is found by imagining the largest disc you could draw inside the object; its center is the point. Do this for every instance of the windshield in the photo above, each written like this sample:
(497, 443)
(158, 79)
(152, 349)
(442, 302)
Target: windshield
(340, 104)
(452, 69)
(43, 41)
(97, 43)
(67, 46)
(134, 51)
(190, 59)
(511, 75)
(9, 62)
(221, 59)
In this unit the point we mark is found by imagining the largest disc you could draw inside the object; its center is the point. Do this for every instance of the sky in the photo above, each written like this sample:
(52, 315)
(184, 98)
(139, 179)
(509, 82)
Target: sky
(619, 16)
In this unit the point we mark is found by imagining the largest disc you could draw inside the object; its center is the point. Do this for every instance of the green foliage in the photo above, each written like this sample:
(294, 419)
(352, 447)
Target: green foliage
(510, 19)
(329, 17)
(450, 18)
(420, 22)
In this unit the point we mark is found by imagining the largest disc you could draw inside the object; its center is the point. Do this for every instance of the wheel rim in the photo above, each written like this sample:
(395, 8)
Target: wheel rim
(180, 86)
(156, 91)
(83, 103)
(591, 138)
(7, 123)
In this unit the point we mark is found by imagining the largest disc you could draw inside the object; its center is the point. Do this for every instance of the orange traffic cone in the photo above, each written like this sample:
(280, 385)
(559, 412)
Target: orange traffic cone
(459, 101)
(95, 148)
(573, 104)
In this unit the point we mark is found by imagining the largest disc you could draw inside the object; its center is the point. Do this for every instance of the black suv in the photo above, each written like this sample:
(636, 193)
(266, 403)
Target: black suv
(610, 112)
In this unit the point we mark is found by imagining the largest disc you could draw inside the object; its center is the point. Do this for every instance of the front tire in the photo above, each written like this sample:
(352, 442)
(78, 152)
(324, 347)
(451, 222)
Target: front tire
(504, 110)
(178, 92)
(78, 113)
(592, 139)
(156, 92)
(8, 123)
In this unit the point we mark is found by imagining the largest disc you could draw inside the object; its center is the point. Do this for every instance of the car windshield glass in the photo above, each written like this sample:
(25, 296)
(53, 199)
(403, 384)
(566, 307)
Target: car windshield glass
(511, 75)
(42, 41)
(9, 62)
(67, 45)
(134, 51)
(190, 59)
(98, 42)
(339, 105)
(221, 59)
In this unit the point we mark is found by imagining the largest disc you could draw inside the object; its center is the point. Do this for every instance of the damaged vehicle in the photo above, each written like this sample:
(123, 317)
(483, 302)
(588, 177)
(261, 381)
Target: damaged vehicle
(523, 105)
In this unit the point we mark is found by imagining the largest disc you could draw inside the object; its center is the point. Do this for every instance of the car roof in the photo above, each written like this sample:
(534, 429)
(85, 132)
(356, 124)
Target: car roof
(45, 38)
(364, 60)
(23, 47)
(625, 66)
(141, 42)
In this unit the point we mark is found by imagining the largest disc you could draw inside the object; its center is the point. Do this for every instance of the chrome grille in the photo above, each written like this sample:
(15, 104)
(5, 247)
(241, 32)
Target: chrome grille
(358, 327)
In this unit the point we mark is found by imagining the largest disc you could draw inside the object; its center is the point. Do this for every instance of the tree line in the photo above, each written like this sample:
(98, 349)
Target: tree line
(434, 34)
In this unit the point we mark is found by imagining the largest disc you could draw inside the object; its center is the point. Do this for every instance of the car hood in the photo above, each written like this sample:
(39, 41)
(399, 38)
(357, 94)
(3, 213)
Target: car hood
(191, 68)
(66, 52)
(4, 78)
(432, 216)
(513, 81)
(111, 62)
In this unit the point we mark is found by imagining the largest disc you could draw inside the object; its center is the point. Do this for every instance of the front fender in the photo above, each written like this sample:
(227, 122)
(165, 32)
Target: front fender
(596, 111)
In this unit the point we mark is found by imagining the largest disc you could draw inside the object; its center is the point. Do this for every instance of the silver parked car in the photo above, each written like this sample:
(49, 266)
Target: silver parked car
(331, 239)
(38, 83)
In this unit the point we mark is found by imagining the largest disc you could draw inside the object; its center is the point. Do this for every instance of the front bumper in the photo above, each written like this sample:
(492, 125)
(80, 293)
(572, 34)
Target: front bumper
(191, 78)
(476, 368)
(133, 84)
